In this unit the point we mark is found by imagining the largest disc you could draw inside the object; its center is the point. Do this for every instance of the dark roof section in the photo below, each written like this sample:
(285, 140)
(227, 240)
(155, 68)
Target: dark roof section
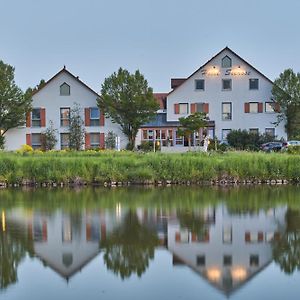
(160, 120)
(161, 99)
(175, 82)
(226, 48)
(69, 73)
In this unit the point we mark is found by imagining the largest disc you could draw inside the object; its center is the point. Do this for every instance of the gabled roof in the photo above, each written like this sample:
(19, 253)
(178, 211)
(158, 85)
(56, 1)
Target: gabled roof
(64, 70)
(225, 49)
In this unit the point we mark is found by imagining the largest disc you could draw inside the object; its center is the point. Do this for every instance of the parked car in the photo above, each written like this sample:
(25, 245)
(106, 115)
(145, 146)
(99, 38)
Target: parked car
(272, 146)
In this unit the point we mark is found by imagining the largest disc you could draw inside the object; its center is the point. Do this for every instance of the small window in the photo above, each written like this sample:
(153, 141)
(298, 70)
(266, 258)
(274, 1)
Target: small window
(253, 130)
(253, 107)
(36, 117)
(36, 142)
(65, 117)
(270, 132)
(94, 116)
(253, 84)
(269, 107)
(227, 230)
(226, 84)
(201, 260)
(183, 108)
(254, 261)
(67, 259)
(227, 260)
(95, 140)
(225, 132)
(226, 62)
(199, 107)
(199, 84)
(65, 89)
(64, 140)
(226, 111)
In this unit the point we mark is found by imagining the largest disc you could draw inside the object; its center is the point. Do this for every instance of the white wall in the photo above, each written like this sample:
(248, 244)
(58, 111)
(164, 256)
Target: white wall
(239, 94)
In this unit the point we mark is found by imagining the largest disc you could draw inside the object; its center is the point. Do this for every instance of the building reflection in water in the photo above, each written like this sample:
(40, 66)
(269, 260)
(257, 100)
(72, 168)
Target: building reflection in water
(226, 249)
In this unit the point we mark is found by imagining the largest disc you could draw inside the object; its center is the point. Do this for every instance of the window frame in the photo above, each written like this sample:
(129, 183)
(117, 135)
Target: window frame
(187, 108)
(273, 129)
(254, 129)
(252, 112)
(224, 129)
(199, 80)
(270, 112)
(254, 89)
(64, 146)
(226, 80)
(94, 122)
(36, 145)
(94, 145)
(224, 119)
(63, 84)
(63, 119)
(35, 119)
(222, 62)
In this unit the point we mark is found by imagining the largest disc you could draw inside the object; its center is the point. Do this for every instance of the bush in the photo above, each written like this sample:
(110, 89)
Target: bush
(293, 150)
(146, 146)
(25, 149)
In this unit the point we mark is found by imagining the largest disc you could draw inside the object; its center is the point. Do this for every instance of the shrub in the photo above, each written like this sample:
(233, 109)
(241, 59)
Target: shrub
(146, 146)
(25, 149)
(293, 150)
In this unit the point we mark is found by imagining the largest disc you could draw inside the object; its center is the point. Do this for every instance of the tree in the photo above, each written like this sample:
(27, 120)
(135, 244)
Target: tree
(286, 92)
(49, 139)
(77, 131)
(191, 124)
(128, 249)
(14, 104)
(110, 141)
(128, 101)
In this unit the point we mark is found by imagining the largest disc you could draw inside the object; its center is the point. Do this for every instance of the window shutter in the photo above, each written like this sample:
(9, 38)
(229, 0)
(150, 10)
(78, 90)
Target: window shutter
(87, 118)
(260, 236)
(28, 119)
(102, 118)
(247, 236)
(103, 231)
(206, 108)
(28, 139)
(277, 107)
(247, 107)
(87, 141)
(176, 109)
(177, 237)
(43, 117)
(102, 141)
(260, 107)
(193, 108)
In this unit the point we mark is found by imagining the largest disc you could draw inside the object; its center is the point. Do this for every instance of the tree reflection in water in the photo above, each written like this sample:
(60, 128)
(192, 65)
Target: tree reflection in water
(128, 249)
(286, 251)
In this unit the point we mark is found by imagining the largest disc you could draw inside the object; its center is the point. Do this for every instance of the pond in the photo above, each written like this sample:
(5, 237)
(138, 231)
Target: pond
(150, 243)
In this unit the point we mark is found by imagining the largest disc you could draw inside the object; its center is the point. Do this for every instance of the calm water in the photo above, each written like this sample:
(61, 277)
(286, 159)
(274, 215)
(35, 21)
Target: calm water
(168, 243)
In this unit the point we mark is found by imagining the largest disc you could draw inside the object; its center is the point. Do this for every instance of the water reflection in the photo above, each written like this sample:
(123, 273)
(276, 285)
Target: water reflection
(226, 237)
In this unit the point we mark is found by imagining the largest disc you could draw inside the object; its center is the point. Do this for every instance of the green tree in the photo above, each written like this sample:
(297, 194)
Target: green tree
(128, 101)
(13, 102)
(77, 131)
(128, 248)
(49, 139)
(110, 141)
(191, 124)
(286, 92)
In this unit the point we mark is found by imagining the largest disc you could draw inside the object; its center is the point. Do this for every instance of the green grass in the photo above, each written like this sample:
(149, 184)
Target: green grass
(108, 166)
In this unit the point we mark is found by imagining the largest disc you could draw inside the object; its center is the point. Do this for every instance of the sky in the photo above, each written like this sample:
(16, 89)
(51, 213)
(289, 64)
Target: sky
(161, 38)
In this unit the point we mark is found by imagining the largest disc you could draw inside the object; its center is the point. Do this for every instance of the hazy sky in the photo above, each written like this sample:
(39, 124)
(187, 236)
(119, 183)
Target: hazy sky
(161, 38)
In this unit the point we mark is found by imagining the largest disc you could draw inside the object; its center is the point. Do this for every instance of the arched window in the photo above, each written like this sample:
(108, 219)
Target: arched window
(226, 62)
(65, 89)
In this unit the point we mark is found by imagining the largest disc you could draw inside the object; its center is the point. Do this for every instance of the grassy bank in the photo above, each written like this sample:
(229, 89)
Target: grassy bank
(91, 167)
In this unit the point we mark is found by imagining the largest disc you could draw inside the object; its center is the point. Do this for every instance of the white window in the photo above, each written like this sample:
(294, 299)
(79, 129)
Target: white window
(36, 117)
(226, 111)
(269, 107)
(94, 116)
(183, 108)
(226, 84)
(36, 142)
(199, 84)
(253, 84)
(65, 89)
(64, 140)
(270, 132)
(95, 140)
(178, 138)
(65, 117)
(253, 107)
(254, 130)
(226, 62)
(225, 132)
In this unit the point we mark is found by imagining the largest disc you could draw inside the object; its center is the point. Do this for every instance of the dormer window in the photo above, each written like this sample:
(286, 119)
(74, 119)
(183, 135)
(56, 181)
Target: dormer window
(226, 62)
(65, 89)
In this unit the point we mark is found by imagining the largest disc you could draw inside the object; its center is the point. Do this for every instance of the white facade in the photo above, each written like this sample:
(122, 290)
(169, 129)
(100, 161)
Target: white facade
(240, 72)
(49, 98)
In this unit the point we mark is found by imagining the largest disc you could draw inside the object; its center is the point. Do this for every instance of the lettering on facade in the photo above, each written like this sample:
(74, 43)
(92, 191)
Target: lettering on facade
(237, 72)
(228, 72)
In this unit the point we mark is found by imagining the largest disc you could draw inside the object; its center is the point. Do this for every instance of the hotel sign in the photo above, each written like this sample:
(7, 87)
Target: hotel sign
(228, 72)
